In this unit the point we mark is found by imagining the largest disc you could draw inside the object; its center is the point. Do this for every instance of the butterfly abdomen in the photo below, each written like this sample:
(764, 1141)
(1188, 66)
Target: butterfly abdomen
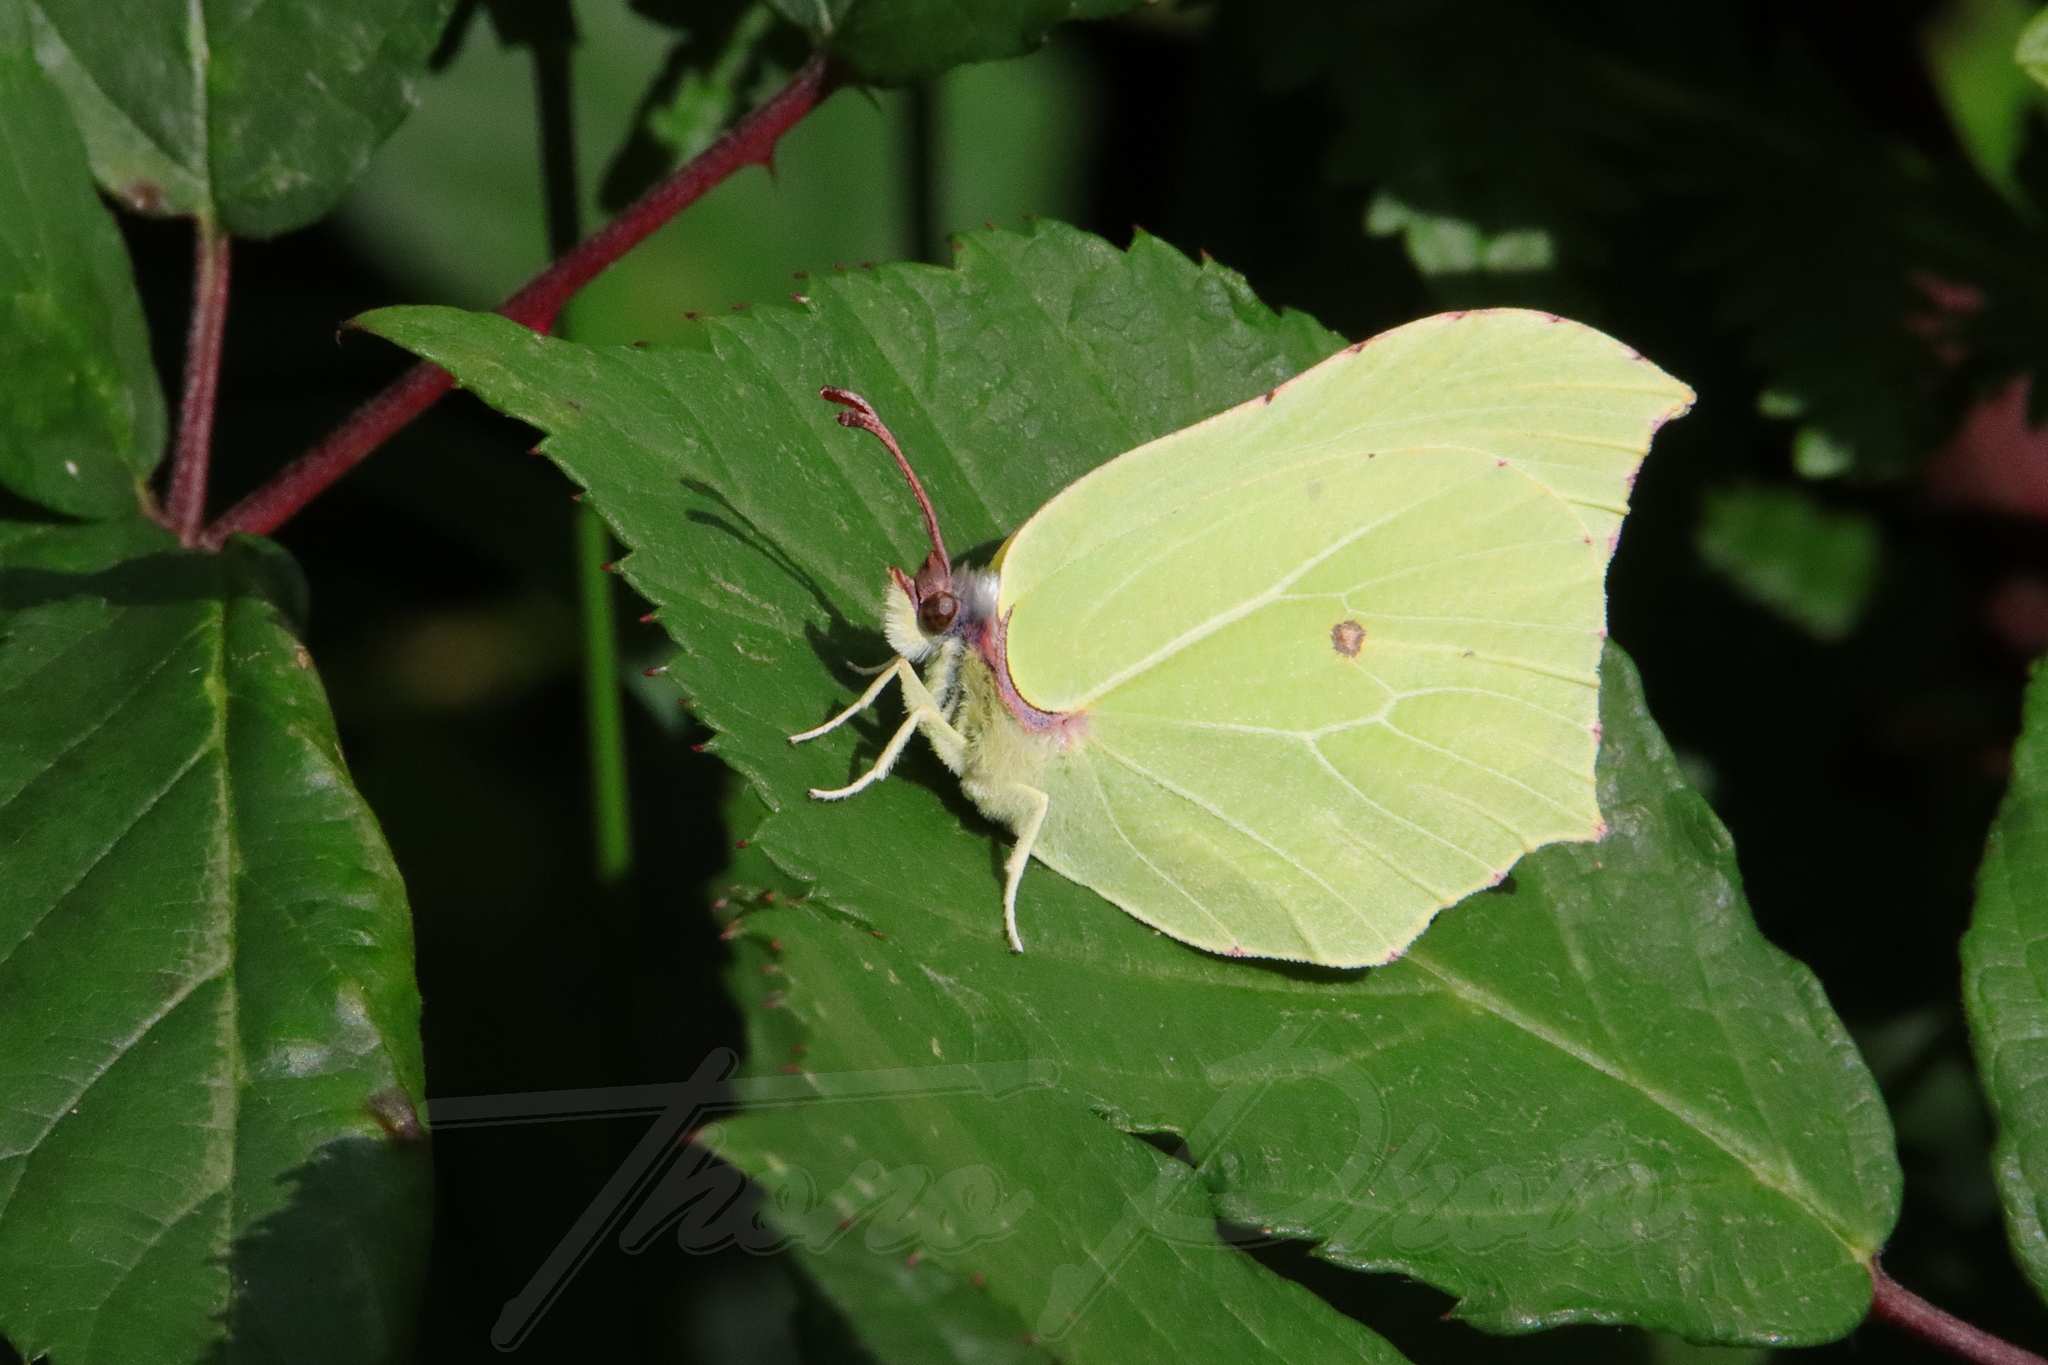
(1002, 754)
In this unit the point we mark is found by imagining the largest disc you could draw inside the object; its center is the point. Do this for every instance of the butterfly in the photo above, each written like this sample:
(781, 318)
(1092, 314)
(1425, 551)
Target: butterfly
(1289, 681)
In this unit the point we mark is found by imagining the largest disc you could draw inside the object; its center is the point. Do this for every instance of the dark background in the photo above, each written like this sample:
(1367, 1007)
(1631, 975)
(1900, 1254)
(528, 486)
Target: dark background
(1858, 775)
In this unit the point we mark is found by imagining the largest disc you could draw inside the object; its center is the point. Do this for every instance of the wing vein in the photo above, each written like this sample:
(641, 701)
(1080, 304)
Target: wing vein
(1201, 631)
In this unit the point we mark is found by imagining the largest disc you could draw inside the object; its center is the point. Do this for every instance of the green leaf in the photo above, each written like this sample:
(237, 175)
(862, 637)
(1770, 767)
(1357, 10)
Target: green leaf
(83, 425)
(895, 42)
(1599, 1096)
(2005, 987)
(943, 1237)
(259, 116)
(2031, 51)
(1439, 244)
(959, 1233)
(212, 1029)
(1810, 564)
(1970, 47)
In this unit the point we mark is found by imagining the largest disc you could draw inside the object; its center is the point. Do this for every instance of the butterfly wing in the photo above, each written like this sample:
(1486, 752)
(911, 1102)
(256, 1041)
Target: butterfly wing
(1338, 647)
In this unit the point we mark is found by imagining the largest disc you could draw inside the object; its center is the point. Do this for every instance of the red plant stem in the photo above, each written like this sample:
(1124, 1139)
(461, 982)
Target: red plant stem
(187, 510)
(1892, 1302)
(750, 142)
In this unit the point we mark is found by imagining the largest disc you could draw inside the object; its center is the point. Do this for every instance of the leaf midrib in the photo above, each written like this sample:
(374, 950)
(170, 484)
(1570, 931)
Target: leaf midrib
(1794, 1189)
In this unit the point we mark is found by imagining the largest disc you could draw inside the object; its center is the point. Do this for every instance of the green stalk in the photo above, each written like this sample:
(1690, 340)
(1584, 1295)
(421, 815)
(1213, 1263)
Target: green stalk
(604, 718)
(604, 722)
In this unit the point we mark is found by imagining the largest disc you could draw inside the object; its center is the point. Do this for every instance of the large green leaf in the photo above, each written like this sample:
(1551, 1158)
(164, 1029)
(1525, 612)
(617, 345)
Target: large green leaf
(895, 42)
(257, 115)
(2005, 987)
(1599, 1095)
(211, 1031)
(83, 423)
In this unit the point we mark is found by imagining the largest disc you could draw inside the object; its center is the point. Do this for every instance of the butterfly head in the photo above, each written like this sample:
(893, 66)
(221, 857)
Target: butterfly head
(921, 612)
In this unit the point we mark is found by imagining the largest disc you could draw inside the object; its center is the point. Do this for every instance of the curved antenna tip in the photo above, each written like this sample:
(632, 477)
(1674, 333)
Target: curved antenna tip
(861, 415)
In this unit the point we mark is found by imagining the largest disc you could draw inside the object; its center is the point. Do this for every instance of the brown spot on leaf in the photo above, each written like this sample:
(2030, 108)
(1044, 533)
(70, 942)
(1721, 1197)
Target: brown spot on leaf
(1346, 637)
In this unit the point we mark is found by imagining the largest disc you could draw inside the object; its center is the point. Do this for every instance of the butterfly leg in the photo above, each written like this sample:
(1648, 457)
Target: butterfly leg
(1032, 804)
(925, 715)
(882, 675)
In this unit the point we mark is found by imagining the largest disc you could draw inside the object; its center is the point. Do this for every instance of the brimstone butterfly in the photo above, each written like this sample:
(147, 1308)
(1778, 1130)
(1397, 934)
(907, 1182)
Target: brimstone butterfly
(1289, 681)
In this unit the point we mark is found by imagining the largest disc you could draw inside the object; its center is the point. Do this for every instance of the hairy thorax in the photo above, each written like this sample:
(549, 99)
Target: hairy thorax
(1008, 741)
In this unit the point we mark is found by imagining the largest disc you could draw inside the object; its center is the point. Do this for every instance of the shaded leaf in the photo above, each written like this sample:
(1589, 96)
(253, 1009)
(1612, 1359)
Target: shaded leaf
(207, 1149)
(895, 42)
(1555, 1107)
(1812, 565)
(2005, 988)
(259, 116)
(83, 425)
(1675, 160)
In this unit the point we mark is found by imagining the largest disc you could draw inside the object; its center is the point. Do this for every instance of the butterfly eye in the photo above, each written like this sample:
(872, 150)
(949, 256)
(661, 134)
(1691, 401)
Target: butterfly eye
(937, 611)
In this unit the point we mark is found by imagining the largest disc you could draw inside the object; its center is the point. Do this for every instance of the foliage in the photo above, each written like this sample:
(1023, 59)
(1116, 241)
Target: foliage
(2005, 991)
(87, 421)
(1815, 567)
(778, 584)
(187, 109)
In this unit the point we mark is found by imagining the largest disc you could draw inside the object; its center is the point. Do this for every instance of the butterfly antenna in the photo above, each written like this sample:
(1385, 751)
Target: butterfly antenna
(861, 414)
